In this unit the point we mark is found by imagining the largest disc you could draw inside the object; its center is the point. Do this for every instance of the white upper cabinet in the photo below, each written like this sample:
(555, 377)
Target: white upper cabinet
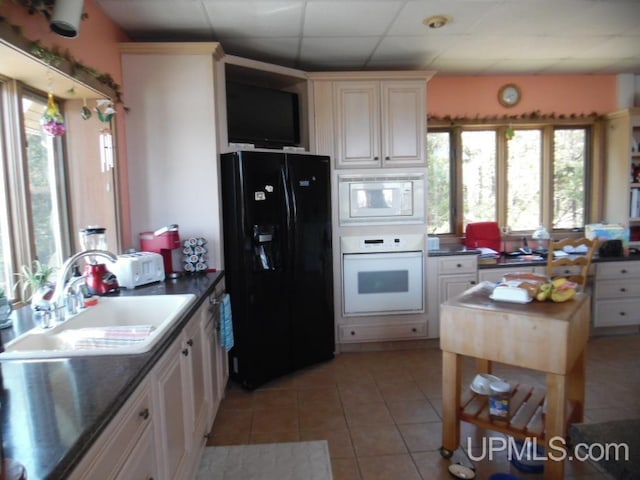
(371, 122)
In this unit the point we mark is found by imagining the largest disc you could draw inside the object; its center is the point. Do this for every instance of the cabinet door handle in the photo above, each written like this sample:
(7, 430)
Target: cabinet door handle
(387, 157)
(622, 314)
(185, 352)
(376, 158)
(623, 289)
(352, 332)
(414, 330)
(623, 270)
(190, 342)
(459, 265)
(473, 282)
(144, 414)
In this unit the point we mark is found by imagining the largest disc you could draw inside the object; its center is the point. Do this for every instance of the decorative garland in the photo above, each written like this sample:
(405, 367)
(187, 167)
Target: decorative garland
(54, 56)
(535, 115)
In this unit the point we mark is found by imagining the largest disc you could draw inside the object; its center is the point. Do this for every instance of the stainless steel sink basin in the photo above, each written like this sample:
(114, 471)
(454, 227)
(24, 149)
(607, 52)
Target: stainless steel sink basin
(117, 325)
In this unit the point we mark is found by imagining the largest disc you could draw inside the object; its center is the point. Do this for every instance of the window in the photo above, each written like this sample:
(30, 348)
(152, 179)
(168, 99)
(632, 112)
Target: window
(439, 183)
(33, 216)
(521, 177)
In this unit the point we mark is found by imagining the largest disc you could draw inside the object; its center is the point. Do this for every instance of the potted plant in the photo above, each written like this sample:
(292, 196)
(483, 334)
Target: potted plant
(36, 284)
(5, 309)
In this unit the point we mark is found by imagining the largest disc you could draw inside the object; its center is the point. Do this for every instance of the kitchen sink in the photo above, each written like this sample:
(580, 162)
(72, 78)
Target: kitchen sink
(116, 325)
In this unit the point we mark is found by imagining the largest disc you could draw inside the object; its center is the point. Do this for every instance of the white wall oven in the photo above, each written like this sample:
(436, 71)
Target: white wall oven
(382, 274)
(381, 199)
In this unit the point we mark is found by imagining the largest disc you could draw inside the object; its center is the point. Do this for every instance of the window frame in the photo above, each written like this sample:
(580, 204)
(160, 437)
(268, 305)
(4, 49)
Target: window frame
(593, 165)
(14, 164)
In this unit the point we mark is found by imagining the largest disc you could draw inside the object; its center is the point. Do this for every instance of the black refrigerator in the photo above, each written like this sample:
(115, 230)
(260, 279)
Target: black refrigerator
(278, 262)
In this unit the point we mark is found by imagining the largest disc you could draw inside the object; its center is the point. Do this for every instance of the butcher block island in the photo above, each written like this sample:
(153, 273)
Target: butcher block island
(544, 336)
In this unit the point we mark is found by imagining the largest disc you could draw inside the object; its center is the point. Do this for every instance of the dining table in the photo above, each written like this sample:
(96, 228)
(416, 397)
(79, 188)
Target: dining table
(542, 336)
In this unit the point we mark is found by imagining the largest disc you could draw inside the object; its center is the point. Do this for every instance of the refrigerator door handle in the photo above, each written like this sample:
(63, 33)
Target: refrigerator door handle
(289, 200)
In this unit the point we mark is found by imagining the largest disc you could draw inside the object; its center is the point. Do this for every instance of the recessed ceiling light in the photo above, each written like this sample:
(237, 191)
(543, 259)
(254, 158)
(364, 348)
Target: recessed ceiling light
(436, 21)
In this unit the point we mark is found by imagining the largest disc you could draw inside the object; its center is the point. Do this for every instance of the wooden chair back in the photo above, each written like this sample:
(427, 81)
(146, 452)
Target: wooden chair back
(583, 260)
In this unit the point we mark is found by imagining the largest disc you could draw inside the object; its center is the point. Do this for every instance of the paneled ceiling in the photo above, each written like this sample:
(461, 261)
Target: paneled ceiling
(482, 37)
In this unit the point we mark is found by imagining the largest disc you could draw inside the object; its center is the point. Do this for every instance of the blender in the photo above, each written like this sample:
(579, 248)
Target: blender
(99, 280)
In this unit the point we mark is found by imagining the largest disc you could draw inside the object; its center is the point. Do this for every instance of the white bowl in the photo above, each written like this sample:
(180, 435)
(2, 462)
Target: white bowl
(481, 383)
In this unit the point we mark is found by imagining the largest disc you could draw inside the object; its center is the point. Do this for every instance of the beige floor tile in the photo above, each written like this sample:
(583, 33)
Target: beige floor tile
(232, 421)
(412, 411)
(380, 411)
(370, 441)
(328, 417)
(275, 398)
(422, 437)
(339, 441)
(388, 467)
(405, 390)
(274, 420)
(360, 393)
(432, 466)
(345, 469)
(367, 414)
(329, 395)
(274, 437)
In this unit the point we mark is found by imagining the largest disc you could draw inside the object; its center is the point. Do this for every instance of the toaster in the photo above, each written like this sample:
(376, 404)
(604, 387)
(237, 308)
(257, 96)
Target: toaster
(139, 268)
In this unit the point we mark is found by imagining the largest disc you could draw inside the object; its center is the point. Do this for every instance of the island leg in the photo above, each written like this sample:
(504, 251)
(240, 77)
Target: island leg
(451, 379)
(555, 426)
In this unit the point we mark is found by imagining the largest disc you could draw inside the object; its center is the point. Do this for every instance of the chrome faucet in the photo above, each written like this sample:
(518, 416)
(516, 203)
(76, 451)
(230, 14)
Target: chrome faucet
(58, 297)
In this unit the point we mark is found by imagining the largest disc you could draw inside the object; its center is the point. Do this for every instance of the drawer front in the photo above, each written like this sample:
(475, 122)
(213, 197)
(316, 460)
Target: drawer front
(617, 289)
(616, 313)
(618, 270)
(459, 264)
(367, 333)
(123, 433)
(566, 271)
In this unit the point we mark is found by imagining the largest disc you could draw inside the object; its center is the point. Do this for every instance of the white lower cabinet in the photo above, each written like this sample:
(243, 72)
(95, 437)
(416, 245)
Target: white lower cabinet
(182, 393)
(617, 294)
(115, 454)
(161, 431)
(452, 275)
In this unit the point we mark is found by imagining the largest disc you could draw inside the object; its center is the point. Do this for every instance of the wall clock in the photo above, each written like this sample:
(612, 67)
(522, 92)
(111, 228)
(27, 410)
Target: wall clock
(509, 95)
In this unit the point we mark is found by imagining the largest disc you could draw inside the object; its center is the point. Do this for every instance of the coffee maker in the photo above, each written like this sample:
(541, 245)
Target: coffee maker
(163, 241)
(99, 280)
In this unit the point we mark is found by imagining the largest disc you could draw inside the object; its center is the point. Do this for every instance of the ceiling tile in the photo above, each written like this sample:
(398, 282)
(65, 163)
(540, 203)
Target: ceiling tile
(324, 18)
(142, 16)
(463, 15)
(255, 18)
(353, 50)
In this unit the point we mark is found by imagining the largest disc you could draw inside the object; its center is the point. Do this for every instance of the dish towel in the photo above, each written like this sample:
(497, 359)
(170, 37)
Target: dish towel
(226, 323)
(108, 337)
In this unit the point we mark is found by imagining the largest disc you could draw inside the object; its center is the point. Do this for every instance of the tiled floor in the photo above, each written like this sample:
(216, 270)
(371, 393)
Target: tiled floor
(381, 411)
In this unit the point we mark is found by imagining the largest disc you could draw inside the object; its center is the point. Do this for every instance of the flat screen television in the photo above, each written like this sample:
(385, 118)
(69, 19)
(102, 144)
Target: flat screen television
(265, 117)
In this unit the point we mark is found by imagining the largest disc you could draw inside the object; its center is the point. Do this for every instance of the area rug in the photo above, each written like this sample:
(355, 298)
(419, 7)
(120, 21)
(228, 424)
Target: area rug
(268, 461)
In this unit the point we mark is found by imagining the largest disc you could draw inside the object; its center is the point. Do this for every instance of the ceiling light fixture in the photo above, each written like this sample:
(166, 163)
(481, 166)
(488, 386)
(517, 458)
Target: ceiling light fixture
(66, 17)
(436, 21)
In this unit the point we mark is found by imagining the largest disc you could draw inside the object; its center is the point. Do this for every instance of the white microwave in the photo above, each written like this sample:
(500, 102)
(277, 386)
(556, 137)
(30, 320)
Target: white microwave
(381, 199)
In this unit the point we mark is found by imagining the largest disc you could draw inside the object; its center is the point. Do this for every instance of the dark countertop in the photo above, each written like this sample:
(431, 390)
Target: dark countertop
(514, 261)
(53, 410)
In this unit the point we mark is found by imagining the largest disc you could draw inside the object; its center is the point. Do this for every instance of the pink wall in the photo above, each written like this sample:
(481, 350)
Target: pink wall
(560, 94)
(97, 47)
